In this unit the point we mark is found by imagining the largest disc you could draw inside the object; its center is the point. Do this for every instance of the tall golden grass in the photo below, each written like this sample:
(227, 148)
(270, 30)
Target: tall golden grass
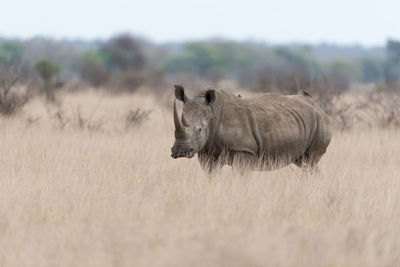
(114, 197)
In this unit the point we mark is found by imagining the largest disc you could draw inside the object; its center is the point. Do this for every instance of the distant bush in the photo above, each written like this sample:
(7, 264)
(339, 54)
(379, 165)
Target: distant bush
(92, 68)
(11, 100)
(392, 67)
(136, 117)
(124, 58)
(48, 70)
(123, 52)
(212, 60)
(288, 70)
(11, 52)
(374, 109)
(372, 69)
(61, 119)
(125, 62)
(342, 73)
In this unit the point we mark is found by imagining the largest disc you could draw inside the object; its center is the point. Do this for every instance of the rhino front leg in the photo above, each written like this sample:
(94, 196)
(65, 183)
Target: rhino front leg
(209, 163)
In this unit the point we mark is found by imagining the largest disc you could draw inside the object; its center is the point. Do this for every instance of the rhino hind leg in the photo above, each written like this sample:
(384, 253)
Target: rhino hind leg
(308, 162)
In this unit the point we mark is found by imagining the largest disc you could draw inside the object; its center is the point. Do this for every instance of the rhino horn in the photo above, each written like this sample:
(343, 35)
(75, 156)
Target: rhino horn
(178, 126)
(184, 121)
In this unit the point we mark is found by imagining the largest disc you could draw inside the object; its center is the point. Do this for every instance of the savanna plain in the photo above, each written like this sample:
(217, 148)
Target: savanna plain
(82, 186)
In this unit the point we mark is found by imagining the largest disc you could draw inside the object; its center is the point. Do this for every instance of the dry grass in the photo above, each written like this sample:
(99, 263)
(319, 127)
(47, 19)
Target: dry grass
(115, 197)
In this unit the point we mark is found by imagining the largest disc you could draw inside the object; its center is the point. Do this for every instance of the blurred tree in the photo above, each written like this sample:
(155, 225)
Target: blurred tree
(124, 53)
(11, 52)
(11, 101)
(65, 53)
(214, 59)
(296, 68)
(126, 62)
(92, 68)
(124, 58)
(283, 69)
(340, 73)
(372, 69)
(392, 68)
(48, 70)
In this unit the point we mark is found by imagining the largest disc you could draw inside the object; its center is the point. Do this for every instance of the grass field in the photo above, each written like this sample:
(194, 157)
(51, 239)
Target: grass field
(113, 196)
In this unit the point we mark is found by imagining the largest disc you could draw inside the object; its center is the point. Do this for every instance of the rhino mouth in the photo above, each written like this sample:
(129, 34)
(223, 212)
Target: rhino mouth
(182, 154)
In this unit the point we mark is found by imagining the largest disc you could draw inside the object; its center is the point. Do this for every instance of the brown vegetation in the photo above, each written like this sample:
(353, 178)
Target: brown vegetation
(114, 197)
(374, 108)
(12, 98)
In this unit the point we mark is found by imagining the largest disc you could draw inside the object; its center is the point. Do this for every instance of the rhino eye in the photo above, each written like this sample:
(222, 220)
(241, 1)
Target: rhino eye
(199, 129)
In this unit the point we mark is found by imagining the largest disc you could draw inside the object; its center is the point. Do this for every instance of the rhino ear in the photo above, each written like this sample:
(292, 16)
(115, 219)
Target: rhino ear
(180, 93)
(210, 96)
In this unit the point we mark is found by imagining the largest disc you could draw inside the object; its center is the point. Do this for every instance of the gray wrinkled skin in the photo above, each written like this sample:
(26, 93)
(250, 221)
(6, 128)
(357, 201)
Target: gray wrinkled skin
(260, 133)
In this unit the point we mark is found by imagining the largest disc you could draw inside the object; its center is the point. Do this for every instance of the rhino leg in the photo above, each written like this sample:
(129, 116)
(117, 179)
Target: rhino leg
(209, 163)
(308, 162)
(308, 168)
(322, 137)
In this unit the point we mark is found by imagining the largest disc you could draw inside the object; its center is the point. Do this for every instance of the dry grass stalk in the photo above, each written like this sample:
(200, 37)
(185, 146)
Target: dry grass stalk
(73, 198)
(137, 117)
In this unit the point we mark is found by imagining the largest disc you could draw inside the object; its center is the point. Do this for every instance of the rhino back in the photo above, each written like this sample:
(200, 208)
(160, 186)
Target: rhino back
(272, 125)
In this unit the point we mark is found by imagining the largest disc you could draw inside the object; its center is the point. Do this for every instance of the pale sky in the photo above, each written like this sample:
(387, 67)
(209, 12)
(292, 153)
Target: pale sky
(363, 22)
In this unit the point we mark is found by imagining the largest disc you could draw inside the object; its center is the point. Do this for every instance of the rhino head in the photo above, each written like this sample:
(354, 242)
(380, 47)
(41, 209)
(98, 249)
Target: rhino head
(193, 128)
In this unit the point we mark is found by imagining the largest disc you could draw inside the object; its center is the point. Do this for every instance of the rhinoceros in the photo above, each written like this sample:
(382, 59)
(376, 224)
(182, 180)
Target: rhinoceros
(258, 133)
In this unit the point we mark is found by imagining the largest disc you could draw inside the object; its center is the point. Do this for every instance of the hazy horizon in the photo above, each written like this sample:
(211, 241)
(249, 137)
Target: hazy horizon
(362, 23)
(206, 38)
